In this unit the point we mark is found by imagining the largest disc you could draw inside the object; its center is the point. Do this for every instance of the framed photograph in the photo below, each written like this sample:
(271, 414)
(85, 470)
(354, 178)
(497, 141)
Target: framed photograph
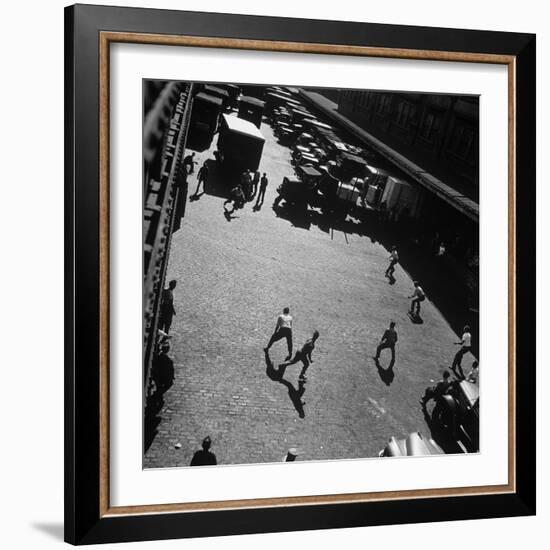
(291, 247)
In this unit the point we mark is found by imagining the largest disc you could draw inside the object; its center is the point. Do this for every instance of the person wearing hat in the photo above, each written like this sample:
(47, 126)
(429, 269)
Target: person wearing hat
(465, 347)
(204, 457)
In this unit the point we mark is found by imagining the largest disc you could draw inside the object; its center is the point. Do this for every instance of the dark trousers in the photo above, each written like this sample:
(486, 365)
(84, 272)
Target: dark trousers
(416, 302)
(299, 357)
(165, 321)
(386, 345)
(261, 196)
(282, 333)
(457, 361)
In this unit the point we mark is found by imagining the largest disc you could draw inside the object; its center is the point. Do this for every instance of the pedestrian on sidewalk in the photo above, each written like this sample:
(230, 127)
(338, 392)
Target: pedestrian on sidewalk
(204, 457)
(394, 260)
(418, 296)
(465, 347)
(202, 177)
(167, 310)
(261, 194)
(303, 355)
(388, 341)
(283, 329)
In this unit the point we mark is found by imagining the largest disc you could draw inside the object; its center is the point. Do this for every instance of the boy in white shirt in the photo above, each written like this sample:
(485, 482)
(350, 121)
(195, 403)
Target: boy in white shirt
(418, 296)
(466, 346)
(283, 329)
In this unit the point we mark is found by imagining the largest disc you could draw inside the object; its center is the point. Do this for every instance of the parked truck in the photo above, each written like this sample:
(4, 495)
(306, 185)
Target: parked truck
(240, 144)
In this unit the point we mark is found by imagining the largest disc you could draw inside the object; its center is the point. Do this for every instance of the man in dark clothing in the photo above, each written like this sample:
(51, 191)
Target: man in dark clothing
(204, 457)
(437, 391)
(202, 177)
(261, 194)
(389, 339)
(167, 310)
(303, 355)
(162, 370)
(283, 329)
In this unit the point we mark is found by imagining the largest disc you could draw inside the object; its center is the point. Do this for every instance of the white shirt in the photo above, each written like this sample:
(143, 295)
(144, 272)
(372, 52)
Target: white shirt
(284, 321)
(467, 340)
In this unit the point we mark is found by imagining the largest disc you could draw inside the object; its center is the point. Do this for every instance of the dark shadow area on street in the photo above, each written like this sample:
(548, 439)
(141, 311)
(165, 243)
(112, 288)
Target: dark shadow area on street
(386, 375)
(295, 394)
(162, 375)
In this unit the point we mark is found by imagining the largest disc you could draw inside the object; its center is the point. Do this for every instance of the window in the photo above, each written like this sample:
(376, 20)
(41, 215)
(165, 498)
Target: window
(383, 104)
(405, 113)
(430, 126)
(462, 140)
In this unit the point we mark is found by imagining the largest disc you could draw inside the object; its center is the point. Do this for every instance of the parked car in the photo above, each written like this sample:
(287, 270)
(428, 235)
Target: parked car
(415, 444)
(457, 414)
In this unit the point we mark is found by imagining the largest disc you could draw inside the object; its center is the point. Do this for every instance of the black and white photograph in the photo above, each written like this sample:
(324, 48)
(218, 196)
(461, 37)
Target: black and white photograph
(311, 274)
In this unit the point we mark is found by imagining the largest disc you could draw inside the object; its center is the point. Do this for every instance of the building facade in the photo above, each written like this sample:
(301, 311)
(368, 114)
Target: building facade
(438, 132)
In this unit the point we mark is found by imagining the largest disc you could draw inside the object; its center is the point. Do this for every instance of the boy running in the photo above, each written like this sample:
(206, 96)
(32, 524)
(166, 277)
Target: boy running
(303, 355)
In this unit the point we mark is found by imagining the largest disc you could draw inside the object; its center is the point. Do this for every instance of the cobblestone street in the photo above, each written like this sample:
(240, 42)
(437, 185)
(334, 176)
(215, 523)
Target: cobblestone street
(234, 278)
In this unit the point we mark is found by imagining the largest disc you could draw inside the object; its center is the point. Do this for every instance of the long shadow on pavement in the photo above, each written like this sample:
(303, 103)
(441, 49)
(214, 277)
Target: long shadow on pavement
(295, 394)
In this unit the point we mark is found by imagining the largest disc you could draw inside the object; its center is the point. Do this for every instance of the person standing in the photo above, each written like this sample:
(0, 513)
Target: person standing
(189, 163)
(473, 377)
(204, 457)
(255, 183)
(261, 194)
(388, 341)
(202, 177)
(394, 259)
(303, 355)
(465, 347)
(167, 310)
(437, 391)
(418, 296)
(283, 329)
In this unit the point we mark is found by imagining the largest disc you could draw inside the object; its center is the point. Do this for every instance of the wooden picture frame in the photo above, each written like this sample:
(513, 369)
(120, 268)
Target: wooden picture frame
(89, 32)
